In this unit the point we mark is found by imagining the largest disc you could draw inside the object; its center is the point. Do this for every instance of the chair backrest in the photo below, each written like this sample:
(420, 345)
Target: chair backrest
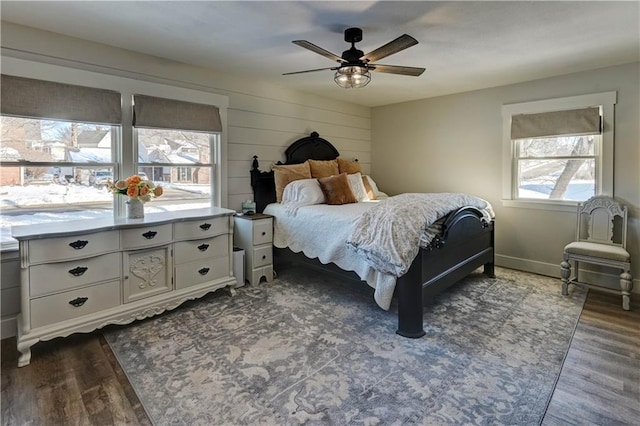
(597, 221)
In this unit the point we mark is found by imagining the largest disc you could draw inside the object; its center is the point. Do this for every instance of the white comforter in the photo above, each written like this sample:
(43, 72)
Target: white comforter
(321, 231)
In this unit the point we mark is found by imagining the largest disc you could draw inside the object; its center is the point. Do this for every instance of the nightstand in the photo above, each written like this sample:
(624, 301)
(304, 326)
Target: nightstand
(254, 234)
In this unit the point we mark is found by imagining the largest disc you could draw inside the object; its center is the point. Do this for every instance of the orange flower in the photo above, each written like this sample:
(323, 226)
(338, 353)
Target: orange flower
(132, 191)
(144, 190)
(157, 191)
(135, 179)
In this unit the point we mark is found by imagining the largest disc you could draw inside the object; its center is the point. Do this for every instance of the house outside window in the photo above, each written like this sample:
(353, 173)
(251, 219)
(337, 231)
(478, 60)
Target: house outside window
(558, 152)
(182, 162)
(54, 171)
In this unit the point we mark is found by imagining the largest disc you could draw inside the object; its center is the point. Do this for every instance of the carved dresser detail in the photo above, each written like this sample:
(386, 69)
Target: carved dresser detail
(78, 276)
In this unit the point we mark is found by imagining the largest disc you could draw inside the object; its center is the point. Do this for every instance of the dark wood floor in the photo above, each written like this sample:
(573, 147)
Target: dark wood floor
(600, 379)
(77, 380)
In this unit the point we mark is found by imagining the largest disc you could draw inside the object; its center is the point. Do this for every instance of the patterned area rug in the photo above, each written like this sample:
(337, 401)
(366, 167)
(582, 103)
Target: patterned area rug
(308, 349)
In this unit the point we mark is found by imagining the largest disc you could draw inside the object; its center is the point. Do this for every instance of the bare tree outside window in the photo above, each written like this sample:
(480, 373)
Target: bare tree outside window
(557, 168)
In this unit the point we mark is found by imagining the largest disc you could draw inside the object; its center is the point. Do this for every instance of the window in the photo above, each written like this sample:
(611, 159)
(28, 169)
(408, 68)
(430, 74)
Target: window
(58, 146)
(61, 143)
(182, 162)
(558, 152)
(178, 147)
(54, 171)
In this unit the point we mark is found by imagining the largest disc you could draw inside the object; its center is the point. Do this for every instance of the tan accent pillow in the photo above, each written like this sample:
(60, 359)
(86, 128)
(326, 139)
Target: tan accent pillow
(283, 174)
(320, 169)
(336, 189)
(368, 188)
(349, 167)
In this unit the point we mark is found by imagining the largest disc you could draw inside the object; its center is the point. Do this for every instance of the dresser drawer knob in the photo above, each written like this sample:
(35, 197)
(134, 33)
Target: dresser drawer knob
(78, 302)
(205, 226)
(79, 244)
(203, 271)
(264, 233)
(76, 272)
(264, 257)
(150, 235)
(203, 247)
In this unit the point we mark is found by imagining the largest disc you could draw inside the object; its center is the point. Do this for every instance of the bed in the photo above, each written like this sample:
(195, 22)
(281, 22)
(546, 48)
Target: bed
(464, 242)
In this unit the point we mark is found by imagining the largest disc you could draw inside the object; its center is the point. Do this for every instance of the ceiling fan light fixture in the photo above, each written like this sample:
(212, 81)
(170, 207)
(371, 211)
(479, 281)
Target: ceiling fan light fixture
(352, 77)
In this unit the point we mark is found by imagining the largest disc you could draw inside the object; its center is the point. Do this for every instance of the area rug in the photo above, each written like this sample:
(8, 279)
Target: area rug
(310, 349)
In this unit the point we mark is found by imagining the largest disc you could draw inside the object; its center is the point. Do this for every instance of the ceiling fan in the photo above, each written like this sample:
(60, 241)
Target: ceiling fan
(353, 71)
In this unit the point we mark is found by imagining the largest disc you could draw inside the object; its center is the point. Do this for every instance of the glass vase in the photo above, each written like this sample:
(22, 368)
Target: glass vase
(135, 209)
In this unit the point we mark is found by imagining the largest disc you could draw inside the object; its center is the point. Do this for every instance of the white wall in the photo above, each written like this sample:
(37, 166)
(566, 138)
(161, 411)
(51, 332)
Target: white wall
(454, 144)
(263, 119)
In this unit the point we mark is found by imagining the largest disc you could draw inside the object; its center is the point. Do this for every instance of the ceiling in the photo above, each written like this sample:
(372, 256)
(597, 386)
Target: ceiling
(463, 45)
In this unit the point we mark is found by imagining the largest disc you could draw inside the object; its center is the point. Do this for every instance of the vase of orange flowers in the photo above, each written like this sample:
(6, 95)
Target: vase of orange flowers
(138, 190)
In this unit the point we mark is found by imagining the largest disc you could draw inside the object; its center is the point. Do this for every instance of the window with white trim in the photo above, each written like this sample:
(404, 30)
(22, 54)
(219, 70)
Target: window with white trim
(58, 147)
(178, 145)
(558, 152)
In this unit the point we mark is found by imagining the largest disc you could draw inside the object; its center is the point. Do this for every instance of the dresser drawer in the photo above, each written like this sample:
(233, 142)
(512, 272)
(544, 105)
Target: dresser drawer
(198, 272)
(262, 231)
(72, 304)
(72, 247)
(54, 277)
(188, 251)
(202, 228)
(262, 256)
(146, 236)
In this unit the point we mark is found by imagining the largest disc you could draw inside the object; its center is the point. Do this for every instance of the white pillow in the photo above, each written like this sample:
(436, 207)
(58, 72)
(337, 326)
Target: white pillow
(376, 191)
(357, 187)
(303, 192)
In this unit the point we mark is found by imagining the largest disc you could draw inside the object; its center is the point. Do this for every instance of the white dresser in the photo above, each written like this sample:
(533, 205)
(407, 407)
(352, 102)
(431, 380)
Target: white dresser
(78, 276)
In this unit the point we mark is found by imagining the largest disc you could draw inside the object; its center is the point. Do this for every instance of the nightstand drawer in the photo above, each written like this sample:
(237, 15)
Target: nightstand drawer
(188, 251)
(262, 231)
(146, 236)
(194, 229)
(76, 303)
(53, 277)
(72, 247)
(198, 272)
(262, 256)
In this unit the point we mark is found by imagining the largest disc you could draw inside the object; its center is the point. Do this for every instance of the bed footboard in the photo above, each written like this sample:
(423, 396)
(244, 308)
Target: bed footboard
(466, 243)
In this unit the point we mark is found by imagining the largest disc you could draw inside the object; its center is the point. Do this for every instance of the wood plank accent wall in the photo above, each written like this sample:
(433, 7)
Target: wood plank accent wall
(266, 127)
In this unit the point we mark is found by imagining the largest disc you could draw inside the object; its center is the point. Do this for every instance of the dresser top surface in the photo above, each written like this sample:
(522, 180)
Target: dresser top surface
(58, 229)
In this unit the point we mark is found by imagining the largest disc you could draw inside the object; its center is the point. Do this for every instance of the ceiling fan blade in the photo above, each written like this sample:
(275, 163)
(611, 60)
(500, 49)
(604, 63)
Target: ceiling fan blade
(394, 46)
(302, 72)
(319, 50)
(395, 69)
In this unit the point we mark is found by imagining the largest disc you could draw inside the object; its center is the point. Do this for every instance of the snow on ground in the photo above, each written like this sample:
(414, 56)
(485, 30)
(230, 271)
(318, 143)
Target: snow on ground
(44, 195)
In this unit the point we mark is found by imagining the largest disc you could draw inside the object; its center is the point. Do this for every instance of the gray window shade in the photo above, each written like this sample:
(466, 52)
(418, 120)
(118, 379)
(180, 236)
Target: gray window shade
(152, 112)
(26, 97)
(584, 121)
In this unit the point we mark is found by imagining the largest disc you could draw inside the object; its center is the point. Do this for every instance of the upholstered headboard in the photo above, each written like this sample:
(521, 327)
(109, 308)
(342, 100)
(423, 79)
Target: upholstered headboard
(311, 147)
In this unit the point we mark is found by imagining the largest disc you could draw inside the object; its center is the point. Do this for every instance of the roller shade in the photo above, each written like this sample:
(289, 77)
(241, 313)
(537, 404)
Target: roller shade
(585, 121)
(26, 97)
(152, 112)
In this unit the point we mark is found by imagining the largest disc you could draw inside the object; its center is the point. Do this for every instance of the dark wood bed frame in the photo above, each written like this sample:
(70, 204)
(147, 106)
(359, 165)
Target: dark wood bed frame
(465, 244)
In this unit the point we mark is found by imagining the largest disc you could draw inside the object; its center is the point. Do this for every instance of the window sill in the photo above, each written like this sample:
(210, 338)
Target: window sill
(560, 206)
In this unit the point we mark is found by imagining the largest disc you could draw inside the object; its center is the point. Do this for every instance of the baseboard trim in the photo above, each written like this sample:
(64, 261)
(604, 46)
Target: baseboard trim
(9, 327)
(553, 270)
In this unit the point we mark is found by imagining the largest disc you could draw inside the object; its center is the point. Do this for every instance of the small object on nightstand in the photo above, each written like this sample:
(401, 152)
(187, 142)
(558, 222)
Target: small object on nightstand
(248, 207)
(254, 234)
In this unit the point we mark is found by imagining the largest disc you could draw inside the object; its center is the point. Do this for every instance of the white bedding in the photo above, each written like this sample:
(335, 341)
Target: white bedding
(325, 232)
(299, 233)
